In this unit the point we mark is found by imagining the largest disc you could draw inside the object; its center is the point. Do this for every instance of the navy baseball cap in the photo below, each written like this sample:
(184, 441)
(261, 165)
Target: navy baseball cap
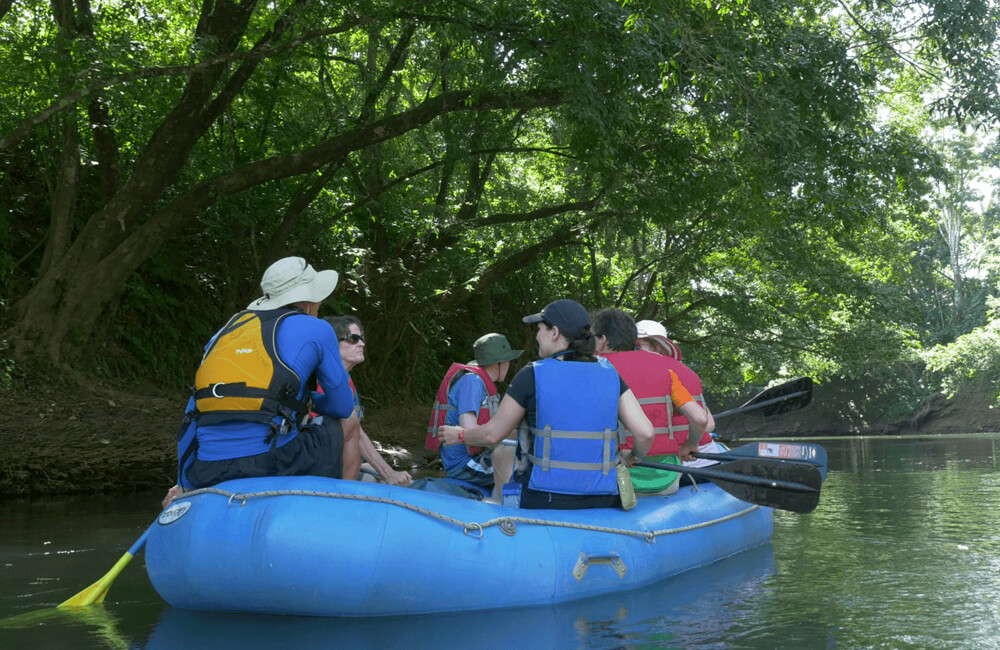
(569, 316)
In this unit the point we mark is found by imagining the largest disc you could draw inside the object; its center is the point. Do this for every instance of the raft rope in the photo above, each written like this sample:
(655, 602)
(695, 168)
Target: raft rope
(469, 527)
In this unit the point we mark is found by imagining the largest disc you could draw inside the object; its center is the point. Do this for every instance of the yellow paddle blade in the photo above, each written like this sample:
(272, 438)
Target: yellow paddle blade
(96, 592)
(105, 624)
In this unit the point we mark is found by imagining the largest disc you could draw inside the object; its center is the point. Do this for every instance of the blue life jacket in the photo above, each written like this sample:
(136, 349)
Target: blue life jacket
(574, 441)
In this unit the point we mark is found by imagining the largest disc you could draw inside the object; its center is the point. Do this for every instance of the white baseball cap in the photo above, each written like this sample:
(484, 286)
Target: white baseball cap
(650, 329)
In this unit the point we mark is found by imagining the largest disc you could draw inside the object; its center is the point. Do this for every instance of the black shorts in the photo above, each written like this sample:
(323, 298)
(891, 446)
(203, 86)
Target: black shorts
(540, 500)
(317, 450)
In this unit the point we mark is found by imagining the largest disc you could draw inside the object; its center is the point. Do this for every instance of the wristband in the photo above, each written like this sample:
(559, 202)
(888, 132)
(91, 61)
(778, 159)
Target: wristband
(461, 436)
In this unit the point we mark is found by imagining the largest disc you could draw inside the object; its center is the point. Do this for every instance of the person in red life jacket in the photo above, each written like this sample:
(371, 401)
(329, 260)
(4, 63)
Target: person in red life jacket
(571, 404)
(246, 416)
(352, 352)
(467, 397)
(653, 337)
(661, 393)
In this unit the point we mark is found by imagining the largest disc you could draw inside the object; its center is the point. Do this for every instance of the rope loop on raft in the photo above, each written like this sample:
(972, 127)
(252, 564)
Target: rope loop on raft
(475, 529)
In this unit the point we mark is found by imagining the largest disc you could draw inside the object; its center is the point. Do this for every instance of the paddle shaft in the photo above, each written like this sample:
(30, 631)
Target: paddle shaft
(751, 407)
(96, 592)
(729, 476)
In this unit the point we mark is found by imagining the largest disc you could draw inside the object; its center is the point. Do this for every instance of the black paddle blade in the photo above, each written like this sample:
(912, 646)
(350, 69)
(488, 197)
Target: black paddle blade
(780, 484)
(786, 485)
(782, 398)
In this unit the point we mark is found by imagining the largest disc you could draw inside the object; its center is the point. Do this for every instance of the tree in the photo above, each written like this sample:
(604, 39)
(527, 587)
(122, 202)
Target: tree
(720, 167)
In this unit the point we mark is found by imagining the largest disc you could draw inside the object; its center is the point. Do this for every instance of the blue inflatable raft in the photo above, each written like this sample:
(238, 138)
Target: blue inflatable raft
(324, 547)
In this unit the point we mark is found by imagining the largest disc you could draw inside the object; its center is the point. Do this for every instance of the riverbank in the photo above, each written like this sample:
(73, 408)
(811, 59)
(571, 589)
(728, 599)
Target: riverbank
(100, 436)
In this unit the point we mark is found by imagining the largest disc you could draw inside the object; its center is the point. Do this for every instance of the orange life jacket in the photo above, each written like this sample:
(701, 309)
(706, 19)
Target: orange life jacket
(440, 410)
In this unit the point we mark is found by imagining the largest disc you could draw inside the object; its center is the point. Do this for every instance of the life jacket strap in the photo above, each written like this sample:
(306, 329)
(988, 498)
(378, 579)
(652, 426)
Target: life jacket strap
(671, 428)
(438, 408)
(548, 433)
(268, 403)
(492, 402)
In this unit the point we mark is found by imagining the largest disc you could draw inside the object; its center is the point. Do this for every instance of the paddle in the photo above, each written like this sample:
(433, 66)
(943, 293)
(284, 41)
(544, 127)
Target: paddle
(772, 483)
(789, 396)
(96, 592)
(799, 452)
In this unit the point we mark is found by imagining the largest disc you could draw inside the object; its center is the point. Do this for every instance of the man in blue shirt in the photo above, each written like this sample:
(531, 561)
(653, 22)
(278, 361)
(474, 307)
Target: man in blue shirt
(244, 426)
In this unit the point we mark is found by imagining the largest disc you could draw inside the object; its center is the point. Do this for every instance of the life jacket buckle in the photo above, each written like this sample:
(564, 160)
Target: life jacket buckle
(215, 387)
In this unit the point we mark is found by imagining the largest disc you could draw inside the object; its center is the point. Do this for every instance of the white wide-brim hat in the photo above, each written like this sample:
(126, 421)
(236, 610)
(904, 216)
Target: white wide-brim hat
(291, 280)
(650, 329)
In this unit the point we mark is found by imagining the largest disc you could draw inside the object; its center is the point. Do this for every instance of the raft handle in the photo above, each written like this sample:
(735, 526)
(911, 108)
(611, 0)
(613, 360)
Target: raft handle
(585, 561)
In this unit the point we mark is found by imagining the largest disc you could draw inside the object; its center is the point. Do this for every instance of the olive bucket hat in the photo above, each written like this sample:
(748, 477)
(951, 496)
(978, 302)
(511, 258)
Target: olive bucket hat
(493, 348)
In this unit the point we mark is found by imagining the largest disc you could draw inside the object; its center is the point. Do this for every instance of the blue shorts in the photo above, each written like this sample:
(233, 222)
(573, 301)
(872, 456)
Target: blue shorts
(472, 475)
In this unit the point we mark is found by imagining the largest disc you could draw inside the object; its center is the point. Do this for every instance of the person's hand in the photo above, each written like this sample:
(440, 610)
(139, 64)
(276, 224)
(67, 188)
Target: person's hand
(448, 435)
(172, 494)
(687, 451)
(401, 479)
(629, 459)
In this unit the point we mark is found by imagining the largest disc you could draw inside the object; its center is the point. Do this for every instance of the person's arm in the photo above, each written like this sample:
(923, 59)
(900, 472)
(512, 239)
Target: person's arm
(633, 417)
(470, 395)
(468, 420)
(370, 453)
(499, 427)
(336, 400)
(710, 427)
(699, 422)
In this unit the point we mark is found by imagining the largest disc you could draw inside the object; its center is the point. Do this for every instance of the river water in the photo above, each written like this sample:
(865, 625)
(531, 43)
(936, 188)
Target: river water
(902, 552)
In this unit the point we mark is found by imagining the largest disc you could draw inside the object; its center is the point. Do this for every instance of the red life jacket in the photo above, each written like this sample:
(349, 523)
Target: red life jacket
(648, 375)
(441, 407)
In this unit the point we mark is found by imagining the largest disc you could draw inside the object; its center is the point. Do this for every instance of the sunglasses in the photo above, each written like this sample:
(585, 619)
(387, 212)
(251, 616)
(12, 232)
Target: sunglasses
(352, 338)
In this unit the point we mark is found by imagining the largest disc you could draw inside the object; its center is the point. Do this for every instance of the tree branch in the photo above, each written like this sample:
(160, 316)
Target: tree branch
(562, 237)
(69, 100)
(176, 214)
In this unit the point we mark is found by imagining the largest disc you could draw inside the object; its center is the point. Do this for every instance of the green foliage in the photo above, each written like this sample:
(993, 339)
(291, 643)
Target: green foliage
(971, 358)
(8, 372)
(725, 168)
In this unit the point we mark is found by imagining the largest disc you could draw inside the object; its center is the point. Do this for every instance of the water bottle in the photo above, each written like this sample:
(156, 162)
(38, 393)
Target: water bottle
(512, 495)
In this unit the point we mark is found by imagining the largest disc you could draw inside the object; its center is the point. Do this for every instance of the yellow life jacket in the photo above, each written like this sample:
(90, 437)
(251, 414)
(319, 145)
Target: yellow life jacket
(242, 377)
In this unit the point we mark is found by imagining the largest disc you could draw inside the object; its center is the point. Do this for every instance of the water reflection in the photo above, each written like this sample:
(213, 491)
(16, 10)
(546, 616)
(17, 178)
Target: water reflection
(689, 607)
(902, 552)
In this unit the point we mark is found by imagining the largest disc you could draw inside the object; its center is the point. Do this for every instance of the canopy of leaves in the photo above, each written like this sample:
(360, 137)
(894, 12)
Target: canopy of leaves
(721, 167)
